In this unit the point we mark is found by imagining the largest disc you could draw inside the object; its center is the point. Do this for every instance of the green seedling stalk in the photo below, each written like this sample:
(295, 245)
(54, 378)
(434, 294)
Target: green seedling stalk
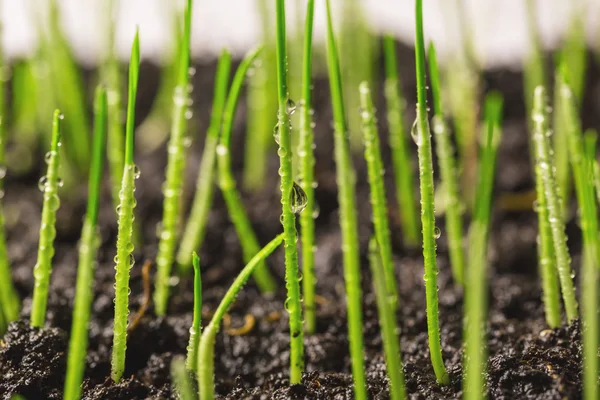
(84, 290)
(181, 379)
(307, 177)
(348, 219)
(574, 50)
(561, 146)
(206, 357)
(449, 173)
(377, 186)
(543, 165)
(386, 304)
(24, 103)
(476, 282)
(287, 187)
(235, 207)
(401, 161)
(595, 166)
(124, 259)
(195, 228)
(173, 185)
(191, 361)
(534, 70)
(49, 184)
(422, 137)
(591, 248)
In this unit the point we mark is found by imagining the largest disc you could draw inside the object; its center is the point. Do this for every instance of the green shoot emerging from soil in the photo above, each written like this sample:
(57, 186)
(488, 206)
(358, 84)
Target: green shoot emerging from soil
(181, 379)
(192, 349)
(377, 186)
(476, 282)
(386, 304)
(49, 185)
(422, 137)
(194, 231)
(403, 170)
(448, 171)
(348, 218)
(235, 207)
(173, 185)
(307, 179)
(124, 258)
(88, 247)
(288, 188)
(206, 368)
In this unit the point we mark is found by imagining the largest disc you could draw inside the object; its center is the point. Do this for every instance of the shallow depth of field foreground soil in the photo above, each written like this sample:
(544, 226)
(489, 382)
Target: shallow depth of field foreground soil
(527, 361)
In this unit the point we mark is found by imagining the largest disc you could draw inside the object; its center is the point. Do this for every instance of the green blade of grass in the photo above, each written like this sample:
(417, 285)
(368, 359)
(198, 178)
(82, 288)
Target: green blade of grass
(377, 186)
(348, 219)
(534, 69)
(595, 167)
(386, 305)
(173, 185)
(403, 169)
(88, 247)
(124, 259)
(476, 282)
(235, 207)
(195, 228)
(49, 184)
(543, 165)
(449, 173)
(192, 349)
(24, 103)
(574, 50)
(422, 137)
(307, 177)
(561, 147)
(181, 379)
(287, 186)
(206, 367)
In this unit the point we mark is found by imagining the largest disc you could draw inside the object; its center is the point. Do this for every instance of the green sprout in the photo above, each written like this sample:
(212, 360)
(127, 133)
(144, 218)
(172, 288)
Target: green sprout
(195, 229)
(288, 207)
(192, 349)
(377, 186)
(173, 185)
(49, 185)
(181, 379)
(561, 146)
(448, 170)
(430, 232)
(235, 207)
(307, 176)
(595, 166)
(348, 219)
(124, 259)
(403, 170)
(543, 162)
(206, 357)
(386, 304)
(476, 282)
(88, 249)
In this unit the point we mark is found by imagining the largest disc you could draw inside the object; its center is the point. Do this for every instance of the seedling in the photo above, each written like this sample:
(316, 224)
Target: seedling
(348, 219)
(124, 259)
(173, 185)
(307, 177)
(193, 235)
(192, 349)
(422, 138)
(377, 186)
(181, 379)
(88, 248)
(289, 189)
(235, 207)
(403, 170)
(206, 360)
(49, 185)
(448, 170)
(476, 282)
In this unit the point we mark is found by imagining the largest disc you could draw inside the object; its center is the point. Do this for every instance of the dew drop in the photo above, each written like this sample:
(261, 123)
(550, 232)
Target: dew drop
(48, 156)
(414, 132)
(189, 114)
(192, 71)
(129, 247)
(136, 172)
(42, 183)
(298, 199)
(316, 211)
(276, 133)
(187, 141)
(222, 150)
(2, 172)
(53, 202)
(437, 233)
(61, 116)
(290, 106)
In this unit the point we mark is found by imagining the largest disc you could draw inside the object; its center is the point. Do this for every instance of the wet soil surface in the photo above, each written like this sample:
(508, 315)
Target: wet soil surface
(527, 360)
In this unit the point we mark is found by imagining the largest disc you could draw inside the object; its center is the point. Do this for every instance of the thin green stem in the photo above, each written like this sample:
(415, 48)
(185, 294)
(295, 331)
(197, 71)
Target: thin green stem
(206, 360)
(422, 137)
(195, 331)
(595, 167)
(84, 290)
(181, 379)
(124, 259)
(195, 228)
(49, 184)
(401, 160)
(348, 219)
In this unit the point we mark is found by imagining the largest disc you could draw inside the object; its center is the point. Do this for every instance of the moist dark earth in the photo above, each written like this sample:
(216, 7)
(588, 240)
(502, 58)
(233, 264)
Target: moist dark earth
(526, 359)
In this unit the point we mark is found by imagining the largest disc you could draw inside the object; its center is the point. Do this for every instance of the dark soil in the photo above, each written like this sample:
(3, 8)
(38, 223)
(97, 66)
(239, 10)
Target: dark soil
(527, 360)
